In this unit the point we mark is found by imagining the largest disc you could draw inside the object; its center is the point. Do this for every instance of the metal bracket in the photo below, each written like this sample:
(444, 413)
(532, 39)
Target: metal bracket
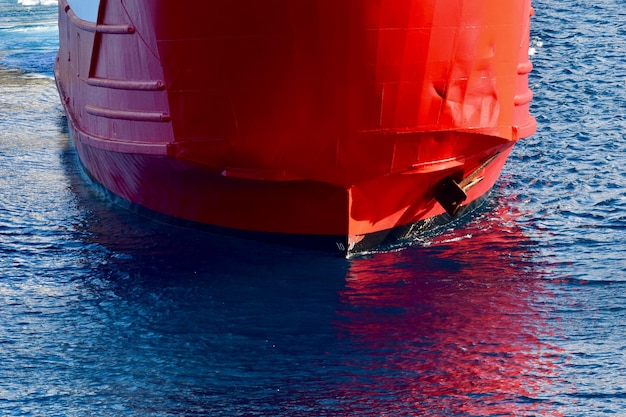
(451, 194)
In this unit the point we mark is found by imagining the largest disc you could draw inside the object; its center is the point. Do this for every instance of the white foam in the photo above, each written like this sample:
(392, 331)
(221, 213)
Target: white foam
(37, 2)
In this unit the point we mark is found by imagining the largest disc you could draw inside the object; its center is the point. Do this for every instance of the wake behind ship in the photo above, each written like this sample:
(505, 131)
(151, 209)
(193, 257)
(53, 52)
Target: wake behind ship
(342, 124)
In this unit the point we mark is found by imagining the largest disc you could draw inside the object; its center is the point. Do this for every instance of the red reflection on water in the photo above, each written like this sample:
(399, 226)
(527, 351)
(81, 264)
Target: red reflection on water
(456, 328)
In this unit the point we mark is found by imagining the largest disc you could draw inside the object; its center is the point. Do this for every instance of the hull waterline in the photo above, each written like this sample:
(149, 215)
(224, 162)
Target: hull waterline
(341, 126)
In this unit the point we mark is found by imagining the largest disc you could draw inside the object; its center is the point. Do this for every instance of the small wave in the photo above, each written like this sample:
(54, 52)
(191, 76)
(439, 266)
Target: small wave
(38, 2)
(38, 27)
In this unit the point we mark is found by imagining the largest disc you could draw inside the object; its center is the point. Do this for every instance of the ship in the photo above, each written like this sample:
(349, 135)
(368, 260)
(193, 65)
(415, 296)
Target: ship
(341, 125)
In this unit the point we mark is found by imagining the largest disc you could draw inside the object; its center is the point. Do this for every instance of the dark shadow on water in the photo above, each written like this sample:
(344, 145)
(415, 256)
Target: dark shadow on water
(452, 325)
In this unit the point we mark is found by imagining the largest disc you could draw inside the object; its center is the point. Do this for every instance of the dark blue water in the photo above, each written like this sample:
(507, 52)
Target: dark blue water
(519, 310)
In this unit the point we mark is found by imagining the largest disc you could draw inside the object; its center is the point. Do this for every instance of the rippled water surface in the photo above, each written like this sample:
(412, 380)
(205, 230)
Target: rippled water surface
(518, 310)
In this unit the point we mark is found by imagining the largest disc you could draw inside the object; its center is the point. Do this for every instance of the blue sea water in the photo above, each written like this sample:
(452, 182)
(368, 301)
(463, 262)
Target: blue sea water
(517, 310)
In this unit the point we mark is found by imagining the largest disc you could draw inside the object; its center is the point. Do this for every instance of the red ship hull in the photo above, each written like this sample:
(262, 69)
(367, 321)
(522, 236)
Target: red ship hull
(333, 123)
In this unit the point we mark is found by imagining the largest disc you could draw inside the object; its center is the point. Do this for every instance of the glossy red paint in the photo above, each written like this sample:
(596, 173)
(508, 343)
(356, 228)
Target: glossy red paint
(310, 117)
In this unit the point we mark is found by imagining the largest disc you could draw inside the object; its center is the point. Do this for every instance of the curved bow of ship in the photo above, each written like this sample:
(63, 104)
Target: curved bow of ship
(338, 122)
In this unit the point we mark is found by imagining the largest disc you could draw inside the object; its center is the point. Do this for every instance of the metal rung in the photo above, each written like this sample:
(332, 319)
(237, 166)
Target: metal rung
(141, 116)
(151, 85)
(94, 27)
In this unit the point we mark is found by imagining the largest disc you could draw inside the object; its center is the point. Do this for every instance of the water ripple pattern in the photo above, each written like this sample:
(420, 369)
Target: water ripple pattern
(570, 177)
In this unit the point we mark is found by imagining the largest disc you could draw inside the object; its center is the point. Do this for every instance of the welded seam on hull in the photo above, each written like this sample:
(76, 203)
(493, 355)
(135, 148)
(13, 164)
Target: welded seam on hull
(136, 148)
